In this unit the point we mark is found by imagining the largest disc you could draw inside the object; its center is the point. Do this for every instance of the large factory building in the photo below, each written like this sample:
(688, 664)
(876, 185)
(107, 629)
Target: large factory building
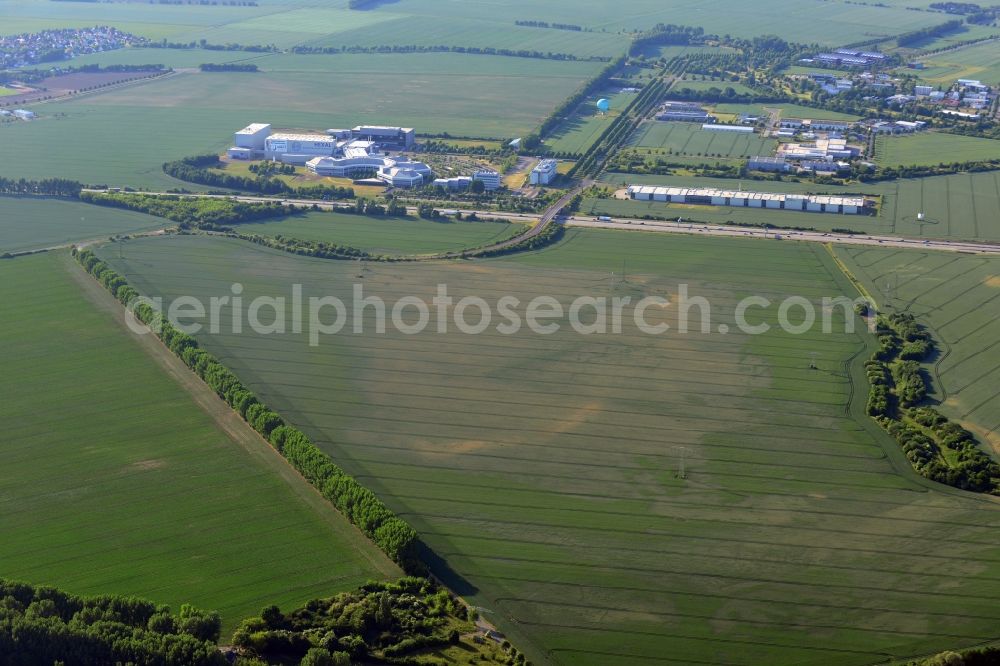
(257, 141)
(713, 197)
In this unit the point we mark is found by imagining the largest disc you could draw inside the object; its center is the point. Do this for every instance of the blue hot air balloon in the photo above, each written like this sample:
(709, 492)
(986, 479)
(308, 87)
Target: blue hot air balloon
(603, 105)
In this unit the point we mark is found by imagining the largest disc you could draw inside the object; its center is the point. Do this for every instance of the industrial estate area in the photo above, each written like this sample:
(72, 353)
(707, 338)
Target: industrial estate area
(355, 153)
(564, 333)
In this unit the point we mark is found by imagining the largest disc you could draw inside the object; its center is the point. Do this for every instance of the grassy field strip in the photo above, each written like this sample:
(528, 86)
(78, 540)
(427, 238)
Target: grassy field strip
(954, 297)
(584, 127)
(387, 235)
(691, 139)
(930, 148)
(525, 460)
(188, 509)
(34, 223)
(978, 61)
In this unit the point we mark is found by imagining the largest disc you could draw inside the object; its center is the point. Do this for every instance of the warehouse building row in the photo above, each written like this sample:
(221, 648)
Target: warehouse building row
(851, 205)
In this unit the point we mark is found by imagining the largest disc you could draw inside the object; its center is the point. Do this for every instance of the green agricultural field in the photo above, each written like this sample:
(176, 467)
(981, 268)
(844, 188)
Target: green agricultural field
(669, 51)
(7, 91)
(122, 137)
(30, 224)
(116, 481)
(797, 111)
(805, 70)
(581, 129)
(464, 95)
(433, 31)
(980, 61)
(956, 297)
(153, 20)
(828, 23)
(682, 138)
(702, 86)
(958, 207)
(966, 33)
(449, 21)
(391, 235)
(543, 469)
(933, 148)
(737, 109)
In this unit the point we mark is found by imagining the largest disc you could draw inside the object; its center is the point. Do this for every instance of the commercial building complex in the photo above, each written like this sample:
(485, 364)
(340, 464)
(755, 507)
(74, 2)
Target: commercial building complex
(544, 172)
(820, 149)
(741, 199)
(338, 153)
(684, 112)
(257, 141)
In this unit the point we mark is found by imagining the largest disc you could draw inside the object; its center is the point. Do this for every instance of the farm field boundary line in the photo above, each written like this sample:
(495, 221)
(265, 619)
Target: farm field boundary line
(227, 420)
(632, 224)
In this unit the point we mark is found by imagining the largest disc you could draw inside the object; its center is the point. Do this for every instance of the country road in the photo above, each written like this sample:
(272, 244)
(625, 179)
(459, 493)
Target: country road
(629, 224)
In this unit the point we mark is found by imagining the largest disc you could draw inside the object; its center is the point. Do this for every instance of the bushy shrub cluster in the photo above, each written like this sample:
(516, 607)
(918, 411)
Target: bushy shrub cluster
(43, 625)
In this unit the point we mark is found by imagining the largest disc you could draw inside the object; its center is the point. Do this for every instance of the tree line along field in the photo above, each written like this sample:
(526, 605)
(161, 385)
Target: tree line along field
(583, 127)
(433, 31)
(957, 207)
(543, 470)
(31, 224)
(388, 235)
(124, 485)
(122, 137)
(950, 39)
(681, 138)
(955, 296)
(930, 148)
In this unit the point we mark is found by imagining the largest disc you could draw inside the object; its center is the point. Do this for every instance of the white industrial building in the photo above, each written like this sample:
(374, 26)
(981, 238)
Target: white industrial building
(293, 148)
(740, 199)
(393, 171)
(489, 179)
(252, 137)
(24, 114)
(821, 149)
(763, 163)
(544, 172)
(399, 137)
(454, 183)
(740, 129)
(338, 153)
(257, 141)
(811, 125)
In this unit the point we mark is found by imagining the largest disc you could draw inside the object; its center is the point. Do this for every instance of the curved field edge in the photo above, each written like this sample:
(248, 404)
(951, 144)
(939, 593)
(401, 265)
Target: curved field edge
(951, 294)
